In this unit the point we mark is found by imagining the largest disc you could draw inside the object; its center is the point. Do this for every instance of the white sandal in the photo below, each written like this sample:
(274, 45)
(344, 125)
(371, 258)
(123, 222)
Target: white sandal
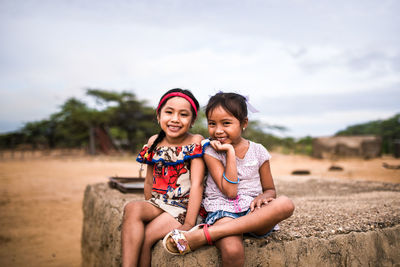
(181, 244)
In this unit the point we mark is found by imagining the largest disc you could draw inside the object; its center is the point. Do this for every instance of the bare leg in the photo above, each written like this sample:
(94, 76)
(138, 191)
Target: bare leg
(260, 221)
(231, 248)
(154, 231)
(136, 215)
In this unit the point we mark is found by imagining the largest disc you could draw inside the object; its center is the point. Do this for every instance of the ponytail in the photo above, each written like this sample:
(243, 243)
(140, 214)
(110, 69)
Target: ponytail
(159, 138)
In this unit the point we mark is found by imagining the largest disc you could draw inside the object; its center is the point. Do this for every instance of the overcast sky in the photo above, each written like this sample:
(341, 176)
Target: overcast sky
(313, 66)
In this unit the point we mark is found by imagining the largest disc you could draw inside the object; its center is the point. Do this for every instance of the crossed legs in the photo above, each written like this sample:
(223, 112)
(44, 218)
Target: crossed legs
(260, 222)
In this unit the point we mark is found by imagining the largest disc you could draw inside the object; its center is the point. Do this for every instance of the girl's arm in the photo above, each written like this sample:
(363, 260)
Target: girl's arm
(268, 187)
(148, 182)
(197, 172)
(217, 170)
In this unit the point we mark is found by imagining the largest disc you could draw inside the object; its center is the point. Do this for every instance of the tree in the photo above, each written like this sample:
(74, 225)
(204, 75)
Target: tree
(39, 134)
(72, 123)
(126, 115)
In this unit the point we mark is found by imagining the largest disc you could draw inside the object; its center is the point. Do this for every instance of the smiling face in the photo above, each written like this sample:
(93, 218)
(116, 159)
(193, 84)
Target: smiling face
(225, 127)
(175, 118)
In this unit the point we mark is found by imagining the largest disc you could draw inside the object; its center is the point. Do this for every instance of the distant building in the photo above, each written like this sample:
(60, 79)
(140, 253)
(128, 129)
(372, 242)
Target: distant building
(347, 146)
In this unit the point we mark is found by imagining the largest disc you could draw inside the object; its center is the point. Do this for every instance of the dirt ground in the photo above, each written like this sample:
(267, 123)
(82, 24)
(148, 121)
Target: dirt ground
(41, 197)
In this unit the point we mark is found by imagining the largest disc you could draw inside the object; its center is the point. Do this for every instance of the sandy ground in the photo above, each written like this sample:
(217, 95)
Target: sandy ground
(41, 197)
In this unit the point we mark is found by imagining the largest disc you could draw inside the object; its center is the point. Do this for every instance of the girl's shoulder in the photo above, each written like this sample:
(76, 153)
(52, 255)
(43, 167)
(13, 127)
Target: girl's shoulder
(259, 151)
(257, 146)
(196, 138)
(209, 150)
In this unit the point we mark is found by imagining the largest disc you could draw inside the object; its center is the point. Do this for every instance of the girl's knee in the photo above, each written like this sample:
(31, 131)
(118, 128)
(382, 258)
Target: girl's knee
(128, 207)
(232, 257)
(286, 205)
(233, 251)
(132, 208)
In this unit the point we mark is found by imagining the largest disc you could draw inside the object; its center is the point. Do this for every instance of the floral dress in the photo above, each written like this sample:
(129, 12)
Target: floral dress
(171, 176)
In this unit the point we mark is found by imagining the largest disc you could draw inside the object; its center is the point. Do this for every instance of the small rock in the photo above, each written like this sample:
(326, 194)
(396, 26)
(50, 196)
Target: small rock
(301, 172)
(335, 168)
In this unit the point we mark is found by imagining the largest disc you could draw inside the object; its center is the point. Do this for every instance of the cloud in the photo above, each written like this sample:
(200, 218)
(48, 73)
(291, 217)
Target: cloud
(320, 115)
(293, 58)
(384, 99)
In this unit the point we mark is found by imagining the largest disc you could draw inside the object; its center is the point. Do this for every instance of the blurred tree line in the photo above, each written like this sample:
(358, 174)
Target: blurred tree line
(259, 132)
(388, 130)
(128, 121)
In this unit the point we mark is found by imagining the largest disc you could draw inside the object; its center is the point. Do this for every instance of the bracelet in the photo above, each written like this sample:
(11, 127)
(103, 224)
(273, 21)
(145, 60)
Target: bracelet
(229, 181)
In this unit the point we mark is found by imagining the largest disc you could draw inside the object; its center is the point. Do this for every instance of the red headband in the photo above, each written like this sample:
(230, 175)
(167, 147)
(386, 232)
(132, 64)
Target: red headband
(177, 94)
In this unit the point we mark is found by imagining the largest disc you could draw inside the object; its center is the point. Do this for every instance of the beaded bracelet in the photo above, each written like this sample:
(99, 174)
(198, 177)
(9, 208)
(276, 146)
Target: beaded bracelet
(229, 181)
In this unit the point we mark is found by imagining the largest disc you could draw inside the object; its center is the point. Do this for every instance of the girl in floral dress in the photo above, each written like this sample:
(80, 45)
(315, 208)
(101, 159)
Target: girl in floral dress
(174, 181)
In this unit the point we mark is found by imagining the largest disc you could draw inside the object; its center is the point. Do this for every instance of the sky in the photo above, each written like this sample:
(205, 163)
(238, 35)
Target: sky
(312, 66)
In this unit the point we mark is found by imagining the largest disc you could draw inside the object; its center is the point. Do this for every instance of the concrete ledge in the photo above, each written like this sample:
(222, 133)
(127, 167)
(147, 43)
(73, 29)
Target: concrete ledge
(373, 248)
(336, 223)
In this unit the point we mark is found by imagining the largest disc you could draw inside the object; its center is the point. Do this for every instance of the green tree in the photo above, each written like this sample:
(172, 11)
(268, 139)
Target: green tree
(39, 134)
(73, 122)
(126, 116)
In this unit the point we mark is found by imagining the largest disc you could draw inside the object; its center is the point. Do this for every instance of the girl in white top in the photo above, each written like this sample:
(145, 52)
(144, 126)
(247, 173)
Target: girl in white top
(248, 174)
(240, 195)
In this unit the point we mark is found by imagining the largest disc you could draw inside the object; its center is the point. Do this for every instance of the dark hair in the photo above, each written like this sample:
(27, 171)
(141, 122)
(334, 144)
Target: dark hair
(161, 134)
(233, 103)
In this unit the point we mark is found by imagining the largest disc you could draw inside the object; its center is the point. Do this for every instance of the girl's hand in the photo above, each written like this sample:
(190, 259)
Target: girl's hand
(259, 201)
(220, 147)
